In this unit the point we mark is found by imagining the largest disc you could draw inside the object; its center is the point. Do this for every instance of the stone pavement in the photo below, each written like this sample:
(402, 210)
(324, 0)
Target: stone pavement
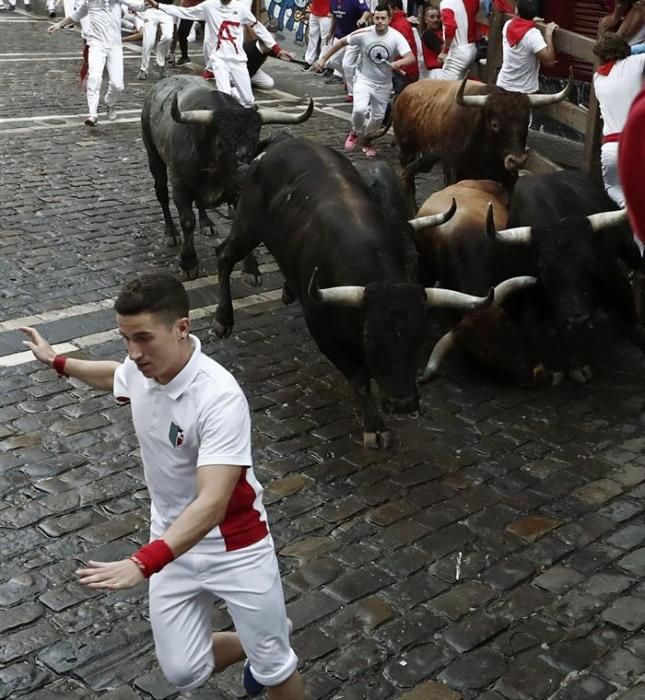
(496, 552)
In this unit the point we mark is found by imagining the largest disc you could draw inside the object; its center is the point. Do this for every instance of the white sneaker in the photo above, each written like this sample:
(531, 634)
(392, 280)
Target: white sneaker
(262, 80)
(110, 113)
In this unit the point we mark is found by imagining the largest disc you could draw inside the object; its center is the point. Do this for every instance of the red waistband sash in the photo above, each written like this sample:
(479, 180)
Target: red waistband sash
(611, 138)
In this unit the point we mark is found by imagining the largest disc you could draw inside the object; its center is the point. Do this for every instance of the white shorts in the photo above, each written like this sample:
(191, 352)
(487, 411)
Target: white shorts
(181, 607)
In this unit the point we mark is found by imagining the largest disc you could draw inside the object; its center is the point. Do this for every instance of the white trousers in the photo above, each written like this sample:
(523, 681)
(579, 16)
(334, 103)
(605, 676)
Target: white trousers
(345, 64)
(318, 29)
(99, 58)
(370, 104)
(181, 598)
(459, 61)
(153, 18)
(227, 72)
(609, 165)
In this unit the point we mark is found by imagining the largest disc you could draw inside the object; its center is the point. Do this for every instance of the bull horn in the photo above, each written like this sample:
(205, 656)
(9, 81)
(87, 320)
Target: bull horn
(444, 345)
(469, 100)
(450, 299)
(543, 100)
(192, 116)
(510, 286)
(343, 296)
(521, 235)
(277, 116)
(422, 222)
(607, 219)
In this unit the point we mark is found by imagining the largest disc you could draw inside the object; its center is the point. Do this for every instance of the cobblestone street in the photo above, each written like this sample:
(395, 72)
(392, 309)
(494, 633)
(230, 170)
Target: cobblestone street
(497, 551)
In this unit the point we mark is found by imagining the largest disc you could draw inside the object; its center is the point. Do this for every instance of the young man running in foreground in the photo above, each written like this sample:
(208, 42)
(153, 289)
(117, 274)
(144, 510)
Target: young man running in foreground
(209, 534)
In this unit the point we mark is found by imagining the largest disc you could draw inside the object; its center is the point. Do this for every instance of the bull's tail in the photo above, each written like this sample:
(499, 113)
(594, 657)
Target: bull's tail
(385, 127)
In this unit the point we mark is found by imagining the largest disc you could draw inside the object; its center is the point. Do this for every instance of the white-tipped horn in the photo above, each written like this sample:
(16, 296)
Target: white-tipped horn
(277, 116)
(520, 235)
(192, 116)
(543, 100)
(343, 296)
(469, 100)
(450, 299)
(607, 219)
(421, 222)
(444, 345)
(510, 286)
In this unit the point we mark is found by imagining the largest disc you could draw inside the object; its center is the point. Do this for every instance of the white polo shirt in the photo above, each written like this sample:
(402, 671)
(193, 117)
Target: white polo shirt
(520, 64)
(200, 418)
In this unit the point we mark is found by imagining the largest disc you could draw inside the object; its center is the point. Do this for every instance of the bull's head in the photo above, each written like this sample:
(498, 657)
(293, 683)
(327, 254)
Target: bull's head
(394, 325)
(575, 259)
(506, 117)
(234, 131)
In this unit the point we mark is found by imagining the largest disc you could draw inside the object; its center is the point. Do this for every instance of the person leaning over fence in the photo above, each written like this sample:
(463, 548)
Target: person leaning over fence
(627, 20)
(208, 527)
(617, 81)
(524, 49)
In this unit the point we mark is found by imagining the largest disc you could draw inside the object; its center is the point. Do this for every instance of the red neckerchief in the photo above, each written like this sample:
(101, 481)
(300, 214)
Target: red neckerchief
(605, 69)
(517, 29)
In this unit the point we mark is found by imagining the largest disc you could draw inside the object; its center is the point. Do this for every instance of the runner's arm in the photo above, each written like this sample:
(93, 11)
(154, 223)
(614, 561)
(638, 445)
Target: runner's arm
(95, 373)
(195, 13)
(405, 60)
(215, 485)
(330, 52)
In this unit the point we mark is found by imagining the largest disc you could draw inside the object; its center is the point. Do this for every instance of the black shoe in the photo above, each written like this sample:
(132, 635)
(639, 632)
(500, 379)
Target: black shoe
(333, 80)
(182, 60)
(52, 14)
(305, 67)
(28, 8)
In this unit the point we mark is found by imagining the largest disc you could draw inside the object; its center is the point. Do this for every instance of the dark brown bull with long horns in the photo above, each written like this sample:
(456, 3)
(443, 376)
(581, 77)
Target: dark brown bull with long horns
(475, 132)
(206, 139)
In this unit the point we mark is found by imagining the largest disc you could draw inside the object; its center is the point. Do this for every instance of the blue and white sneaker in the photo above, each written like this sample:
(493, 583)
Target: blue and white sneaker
(252, 687)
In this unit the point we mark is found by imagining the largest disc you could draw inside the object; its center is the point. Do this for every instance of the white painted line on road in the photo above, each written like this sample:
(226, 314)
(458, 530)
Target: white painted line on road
(93, 306)
(88, 341)
(45, 117)
(75, 57)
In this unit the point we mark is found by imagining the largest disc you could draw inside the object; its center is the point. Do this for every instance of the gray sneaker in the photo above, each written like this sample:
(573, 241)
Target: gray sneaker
(142, 75)
(110, 113)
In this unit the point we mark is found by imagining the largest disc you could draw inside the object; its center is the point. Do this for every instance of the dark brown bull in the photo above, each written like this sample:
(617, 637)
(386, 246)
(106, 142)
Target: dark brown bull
(474, 132)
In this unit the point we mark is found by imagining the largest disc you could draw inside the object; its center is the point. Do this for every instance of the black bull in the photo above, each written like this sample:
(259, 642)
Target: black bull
(206, 139)
(345, 263)
(562, 230)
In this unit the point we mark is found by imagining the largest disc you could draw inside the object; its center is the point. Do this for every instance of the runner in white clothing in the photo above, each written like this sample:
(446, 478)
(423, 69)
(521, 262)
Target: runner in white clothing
(151, 20)
(225, 21)
(209, 533)
(103, 36)
(617, 81)
(378, 46)
(524, 49)
(459, 37)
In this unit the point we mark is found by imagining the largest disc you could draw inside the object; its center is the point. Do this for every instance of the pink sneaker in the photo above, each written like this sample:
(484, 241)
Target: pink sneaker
(369, 151)
(351, 141)
(349, 98)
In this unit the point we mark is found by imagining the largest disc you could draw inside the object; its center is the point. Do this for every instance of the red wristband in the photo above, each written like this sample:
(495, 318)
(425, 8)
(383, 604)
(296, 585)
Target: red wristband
(59, 365)
(152, 557)
(276, 49)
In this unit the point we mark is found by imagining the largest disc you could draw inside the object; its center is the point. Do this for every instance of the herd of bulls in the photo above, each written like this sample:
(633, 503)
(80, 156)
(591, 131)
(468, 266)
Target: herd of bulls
(519, 266)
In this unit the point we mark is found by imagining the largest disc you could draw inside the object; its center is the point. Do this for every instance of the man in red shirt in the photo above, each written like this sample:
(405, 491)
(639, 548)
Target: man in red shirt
(400, 22)
(320, 20)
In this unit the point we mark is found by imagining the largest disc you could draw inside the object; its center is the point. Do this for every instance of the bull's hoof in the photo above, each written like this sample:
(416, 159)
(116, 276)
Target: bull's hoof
(581, 375)
(190, 273)
(381, 440)
(222, 330)
(252, 279)
(208, 230)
